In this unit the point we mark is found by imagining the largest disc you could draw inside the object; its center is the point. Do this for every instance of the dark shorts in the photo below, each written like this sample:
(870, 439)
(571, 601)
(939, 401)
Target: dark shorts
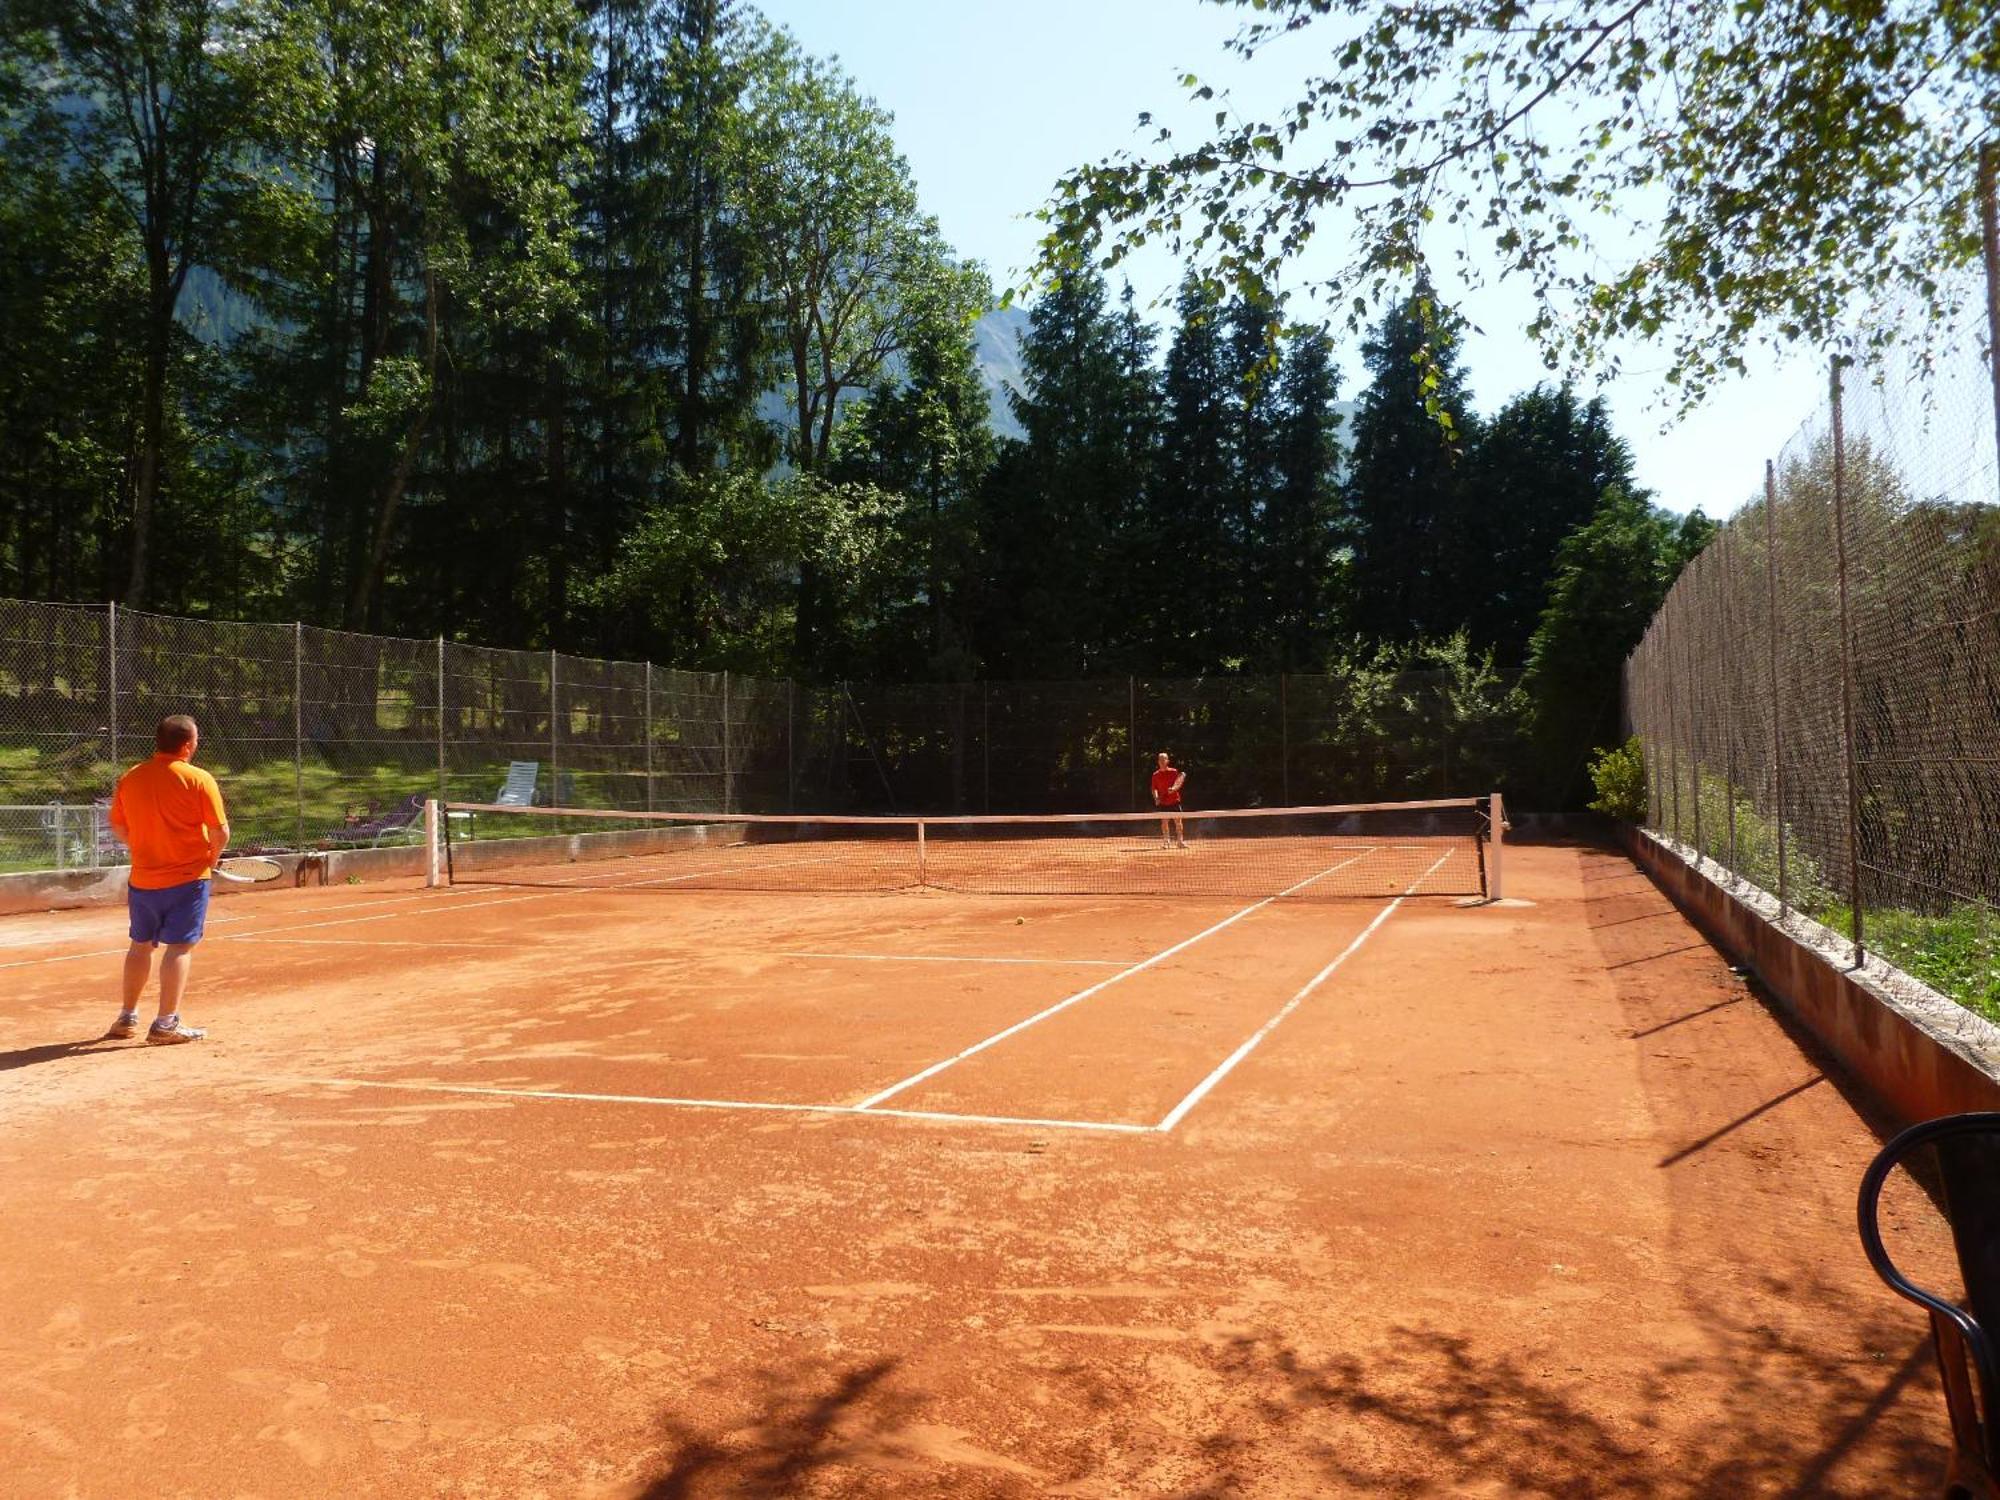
(1172, 810)
(175, 914)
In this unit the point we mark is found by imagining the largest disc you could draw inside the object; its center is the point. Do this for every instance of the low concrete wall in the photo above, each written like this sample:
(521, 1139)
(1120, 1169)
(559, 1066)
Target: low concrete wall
(470, 856)
(48, 890)
(1921, 1054)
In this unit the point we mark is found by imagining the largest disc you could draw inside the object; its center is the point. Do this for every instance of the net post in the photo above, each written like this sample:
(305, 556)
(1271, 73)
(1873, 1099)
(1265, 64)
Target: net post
(923, 867)
(1496, 885)
(62, 853)
(985, 746)
(1848, 760)
(791, 746)
(432, 817)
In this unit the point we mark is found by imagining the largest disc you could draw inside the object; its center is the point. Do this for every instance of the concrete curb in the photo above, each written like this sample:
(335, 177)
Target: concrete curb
(1920, 1053)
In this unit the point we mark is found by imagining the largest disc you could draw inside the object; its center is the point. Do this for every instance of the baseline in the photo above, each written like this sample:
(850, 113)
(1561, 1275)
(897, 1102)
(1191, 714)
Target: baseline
(738, 1105)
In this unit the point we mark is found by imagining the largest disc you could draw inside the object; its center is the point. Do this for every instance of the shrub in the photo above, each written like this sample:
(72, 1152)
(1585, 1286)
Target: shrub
(1619, 777)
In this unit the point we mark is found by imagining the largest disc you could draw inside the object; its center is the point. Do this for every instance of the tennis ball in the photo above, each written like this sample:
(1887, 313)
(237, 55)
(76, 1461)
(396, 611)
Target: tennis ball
(1019, 921)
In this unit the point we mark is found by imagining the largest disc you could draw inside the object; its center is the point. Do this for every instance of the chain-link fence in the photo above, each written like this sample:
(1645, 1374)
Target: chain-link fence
(1819, 697)
(323, 738)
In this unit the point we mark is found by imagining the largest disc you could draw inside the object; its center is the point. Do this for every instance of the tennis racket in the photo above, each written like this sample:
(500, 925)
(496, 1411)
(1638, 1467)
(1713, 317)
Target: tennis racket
(250, 871)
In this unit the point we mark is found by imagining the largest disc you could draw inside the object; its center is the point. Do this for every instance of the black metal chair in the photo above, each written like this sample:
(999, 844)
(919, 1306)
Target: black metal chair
(1967, 1151)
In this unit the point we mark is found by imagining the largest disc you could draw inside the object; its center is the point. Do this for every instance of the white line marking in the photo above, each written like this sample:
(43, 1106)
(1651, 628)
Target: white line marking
(721, 1104)
(949, 958)
(1084, 994)
(1179, 1111)
(258, 937)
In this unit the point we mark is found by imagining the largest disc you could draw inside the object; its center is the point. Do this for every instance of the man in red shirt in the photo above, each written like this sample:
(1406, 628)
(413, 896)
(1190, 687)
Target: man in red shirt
(1167, 784)
(168, 811)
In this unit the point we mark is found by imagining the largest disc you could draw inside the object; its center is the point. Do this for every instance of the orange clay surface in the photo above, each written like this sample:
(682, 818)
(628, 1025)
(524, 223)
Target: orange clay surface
(1522, 1200)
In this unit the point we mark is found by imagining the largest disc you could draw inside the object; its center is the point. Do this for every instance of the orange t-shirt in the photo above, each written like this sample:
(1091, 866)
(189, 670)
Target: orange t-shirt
(167, 807)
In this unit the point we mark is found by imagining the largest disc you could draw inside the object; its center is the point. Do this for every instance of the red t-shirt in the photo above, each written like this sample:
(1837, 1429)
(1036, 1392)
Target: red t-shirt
(1167, 786)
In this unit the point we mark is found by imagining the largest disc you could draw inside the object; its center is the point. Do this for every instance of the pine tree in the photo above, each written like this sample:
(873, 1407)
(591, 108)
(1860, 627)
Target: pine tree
(1537, 473)
(1191, 538)
(1059, 587)
(1406, 494)
(1295, 557)
(925, 438)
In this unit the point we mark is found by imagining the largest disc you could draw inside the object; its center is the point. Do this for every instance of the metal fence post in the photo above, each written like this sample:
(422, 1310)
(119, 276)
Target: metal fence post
(1284, 741)
(1777, 703)
(299, 726)
(791, 746)
(1989, 220)
(649, 735)
(1848, 757)
(1132, 733)
(986, 746)
(1673, 732)
(443, 796)
(555, 752)
(111, 653)
(726, 767)
(1694, 744)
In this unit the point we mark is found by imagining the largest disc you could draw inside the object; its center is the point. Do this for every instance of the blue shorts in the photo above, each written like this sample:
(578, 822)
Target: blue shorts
(175, 914)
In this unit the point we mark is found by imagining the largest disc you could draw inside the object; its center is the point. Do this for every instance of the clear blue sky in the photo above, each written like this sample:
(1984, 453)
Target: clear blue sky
(994, 101)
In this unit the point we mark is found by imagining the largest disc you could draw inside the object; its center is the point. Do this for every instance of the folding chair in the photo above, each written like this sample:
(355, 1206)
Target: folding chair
(1967, 1151)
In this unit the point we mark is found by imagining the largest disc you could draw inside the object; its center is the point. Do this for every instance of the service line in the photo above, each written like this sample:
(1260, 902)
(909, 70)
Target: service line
(1103, 984)
(949, 958)
(1179, 1111)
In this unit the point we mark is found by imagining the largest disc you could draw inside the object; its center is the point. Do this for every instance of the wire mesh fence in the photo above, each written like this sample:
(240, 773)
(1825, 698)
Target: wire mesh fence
(1819, 697)
(327, 739)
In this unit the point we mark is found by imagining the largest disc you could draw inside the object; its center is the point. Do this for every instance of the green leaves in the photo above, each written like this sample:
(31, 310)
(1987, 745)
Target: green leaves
(1796, 163)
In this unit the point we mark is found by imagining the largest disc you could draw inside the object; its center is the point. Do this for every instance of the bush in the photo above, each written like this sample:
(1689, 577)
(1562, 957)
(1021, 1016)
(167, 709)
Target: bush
(1619, 777)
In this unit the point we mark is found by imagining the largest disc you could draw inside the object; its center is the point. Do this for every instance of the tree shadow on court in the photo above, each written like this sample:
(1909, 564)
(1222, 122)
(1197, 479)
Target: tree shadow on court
(804, 1421)
(28, 1057)
(1776, 1416)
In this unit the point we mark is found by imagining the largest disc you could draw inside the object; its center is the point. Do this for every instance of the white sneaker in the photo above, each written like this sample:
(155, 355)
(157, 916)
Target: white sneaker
(168, 1032)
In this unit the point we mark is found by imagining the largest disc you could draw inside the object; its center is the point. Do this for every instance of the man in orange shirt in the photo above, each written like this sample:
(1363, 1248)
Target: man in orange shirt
(168, 812)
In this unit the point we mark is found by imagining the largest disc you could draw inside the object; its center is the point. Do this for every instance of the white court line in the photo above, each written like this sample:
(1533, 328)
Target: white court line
(949, 958)
(1179, 1111)
(1103, 984)
(762, 1106)
(258, 937)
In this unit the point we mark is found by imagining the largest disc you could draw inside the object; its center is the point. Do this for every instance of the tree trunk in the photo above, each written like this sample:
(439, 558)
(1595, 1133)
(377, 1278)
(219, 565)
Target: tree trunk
(558, 508)
(162, 291)
(389, 497)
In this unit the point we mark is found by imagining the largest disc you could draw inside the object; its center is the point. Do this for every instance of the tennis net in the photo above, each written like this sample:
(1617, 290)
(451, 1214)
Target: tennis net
(1431, 848)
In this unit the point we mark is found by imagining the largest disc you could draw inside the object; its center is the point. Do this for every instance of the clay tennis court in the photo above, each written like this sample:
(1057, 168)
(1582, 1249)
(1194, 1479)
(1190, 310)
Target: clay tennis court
(603, 1188)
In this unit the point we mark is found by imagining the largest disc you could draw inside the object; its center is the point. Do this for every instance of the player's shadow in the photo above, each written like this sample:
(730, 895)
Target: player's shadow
(27, 1057)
